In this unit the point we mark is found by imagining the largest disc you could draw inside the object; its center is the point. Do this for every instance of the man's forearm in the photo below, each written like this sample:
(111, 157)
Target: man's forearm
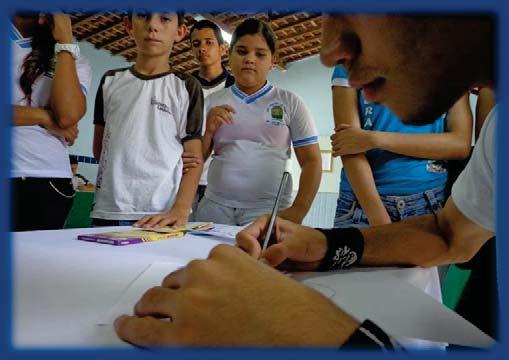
(416, 241)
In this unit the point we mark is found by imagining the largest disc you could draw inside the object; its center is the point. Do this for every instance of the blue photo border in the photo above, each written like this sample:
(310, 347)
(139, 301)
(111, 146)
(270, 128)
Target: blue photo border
(500, 8)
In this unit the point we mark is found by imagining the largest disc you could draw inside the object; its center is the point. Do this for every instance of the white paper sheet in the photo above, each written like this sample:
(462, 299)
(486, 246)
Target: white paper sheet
(152, 276)
(362, 293)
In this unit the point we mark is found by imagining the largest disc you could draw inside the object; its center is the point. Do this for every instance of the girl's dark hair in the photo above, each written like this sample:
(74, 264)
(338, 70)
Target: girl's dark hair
(254, 26)
(40, 60)
(207, 24)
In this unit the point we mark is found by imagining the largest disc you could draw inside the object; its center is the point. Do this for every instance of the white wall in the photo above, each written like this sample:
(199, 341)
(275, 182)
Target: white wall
(311, 81)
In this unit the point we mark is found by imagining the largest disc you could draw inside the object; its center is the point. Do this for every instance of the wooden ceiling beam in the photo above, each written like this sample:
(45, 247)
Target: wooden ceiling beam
(116, 24)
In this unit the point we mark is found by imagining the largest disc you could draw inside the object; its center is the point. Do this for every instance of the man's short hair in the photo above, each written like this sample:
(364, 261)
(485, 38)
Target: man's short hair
(207, 24)
(73, 159)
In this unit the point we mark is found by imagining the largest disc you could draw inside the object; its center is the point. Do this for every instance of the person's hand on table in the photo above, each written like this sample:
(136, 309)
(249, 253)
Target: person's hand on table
(297, 247)
(231, 299)
(173, 217)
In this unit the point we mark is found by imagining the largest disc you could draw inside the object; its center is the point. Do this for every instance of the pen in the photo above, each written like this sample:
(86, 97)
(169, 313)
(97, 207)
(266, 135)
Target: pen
(275, 210)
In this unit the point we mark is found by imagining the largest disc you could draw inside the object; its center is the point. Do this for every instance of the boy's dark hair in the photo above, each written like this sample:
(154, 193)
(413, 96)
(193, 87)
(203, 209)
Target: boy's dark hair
(180, 15)
(254, 26)
(73, 159)
(207, 24)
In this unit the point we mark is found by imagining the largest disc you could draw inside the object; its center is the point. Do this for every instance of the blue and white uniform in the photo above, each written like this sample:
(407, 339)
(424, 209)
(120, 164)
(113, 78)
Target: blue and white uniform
(250, 155)
(408, 186)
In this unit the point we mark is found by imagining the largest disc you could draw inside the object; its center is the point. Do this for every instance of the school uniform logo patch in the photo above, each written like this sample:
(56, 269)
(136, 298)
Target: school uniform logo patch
(275, 115)
(160, 106)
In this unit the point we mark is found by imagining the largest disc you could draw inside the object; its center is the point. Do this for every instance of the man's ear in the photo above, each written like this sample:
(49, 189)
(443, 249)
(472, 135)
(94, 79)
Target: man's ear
(223, 49)
(128, 25)
(181, 32)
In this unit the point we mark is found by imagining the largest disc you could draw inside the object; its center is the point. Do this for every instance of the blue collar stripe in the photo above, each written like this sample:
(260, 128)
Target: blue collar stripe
(259, 94)
(249, 99)
(237, 92)
(14, 33)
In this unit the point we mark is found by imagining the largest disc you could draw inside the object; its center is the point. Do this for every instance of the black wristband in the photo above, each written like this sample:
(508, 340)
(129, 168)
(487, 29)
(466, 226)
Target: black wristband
(345, 247)
(368, 336)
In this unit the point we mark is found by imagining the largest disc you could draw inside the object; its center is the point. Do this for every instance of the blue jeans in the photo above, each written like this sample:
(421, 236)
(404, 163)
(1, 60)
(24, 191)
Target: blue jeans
(349, 213)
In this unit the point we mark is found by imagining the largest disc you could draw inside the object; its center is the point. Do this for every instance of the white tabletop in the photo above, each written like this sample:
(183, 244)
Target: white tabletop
(62, 285)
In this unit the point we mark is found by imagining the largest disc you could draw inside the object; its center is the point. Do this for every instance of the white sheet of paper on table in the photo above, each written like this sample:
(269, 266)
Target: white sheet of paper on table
(152, 276)
(360, 292)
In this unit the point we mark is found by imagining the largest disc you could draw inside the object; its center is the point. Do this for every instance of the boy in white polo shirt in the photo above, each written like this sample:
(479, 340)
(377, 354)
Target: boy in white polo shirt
(145, 118)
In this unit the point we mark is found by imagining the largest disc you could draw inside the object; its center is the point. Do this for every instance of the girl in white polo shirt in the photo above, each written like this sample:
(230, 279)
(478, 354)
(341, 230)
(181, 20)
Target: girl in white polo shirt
(50, 84)
(251, 127)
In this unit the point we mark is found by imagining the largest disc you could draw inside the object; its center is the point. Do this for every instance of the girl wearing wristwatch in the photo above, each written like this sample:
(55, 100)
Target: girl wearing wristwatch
(50, 83)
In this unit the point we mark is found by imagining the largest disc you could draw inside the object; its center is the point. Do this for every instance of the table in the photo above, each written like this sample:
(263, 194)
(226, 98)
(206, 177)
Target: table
(61, 284)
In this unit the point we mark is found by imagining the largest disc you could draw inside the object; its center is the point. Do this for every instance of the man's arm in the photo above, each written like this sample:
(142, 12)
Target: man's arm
(98, 141)
(310, 163)
(453, 144)
(357, 166)
(428, 240)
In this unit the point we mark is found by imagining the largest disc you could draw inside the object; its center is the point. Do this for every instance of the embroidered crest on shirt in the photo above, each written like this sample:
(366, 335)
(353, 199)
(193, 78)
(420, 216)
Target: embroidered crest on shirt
(160, 106)
(275, 115)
